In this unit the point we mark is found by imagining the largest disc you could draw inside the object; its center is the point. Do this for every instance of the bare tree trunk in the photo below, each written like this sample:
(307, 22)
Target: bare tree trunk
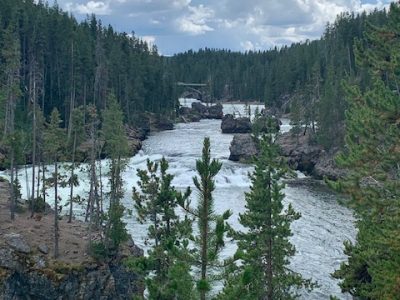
(56, 229)
(270, 286)
(33, 144)
(71, 193)
(44, 182)
(12, 191)
(38, 180)
(72, 96)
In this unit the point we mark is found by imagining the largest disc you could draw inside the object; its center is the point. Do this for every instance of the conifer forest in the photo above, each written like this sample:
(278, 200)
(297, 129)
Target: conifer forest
(267, 173)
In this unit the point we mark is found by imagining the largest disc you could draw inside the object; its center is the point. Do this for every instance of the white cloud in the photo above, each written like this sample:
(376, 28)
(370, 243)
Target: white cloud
(247, 45)
(196, 21)
(91, 7)
(235, 24)
(149, 39)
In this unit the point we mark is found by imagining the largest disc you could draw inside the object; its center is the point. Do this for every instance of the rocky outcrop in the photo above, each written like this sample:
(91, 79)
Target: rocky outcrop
(264, 123)
(33, 276)
(208, 112)
(230, 124)
(326, 167)
(161, 123)
(302, 154)
(187, 114)
(305, 155)
(243, 148)
(17, 242)
(214, 112)
(200, 111)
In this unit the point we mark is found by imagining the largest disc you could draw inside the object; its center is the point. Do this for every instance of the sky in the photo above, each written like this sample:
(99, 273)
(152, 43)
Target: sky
(240, 25)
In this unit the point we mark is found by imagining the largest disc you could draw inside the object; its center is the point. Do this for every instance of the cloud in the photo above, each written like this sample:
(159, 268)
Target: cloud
(149, 39)
(92, 7)
(196, 21)
(179, 25)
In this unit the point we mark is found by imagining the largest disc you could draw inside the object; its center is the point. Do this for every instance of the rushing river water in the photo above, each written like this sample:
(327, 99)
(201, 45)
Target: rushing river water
(318, 235)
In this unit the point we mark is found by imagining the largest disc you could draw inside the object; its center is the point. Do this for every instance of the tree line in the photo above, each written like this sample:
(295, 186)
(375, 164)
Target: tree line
(305, 78)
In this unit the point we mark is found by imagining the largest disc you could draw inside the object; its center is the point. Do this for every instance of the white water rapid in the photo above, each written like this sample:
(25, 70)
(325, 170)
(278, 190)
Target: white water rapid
(318, 235)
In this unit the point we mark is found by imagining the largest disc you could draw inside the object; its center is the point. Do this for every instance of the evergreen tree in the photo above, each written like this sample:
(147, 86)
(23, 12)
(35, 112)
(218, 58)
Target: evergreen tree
(55, 138)
(212, 227)
(264, 248)
(169, 256)
(117, 149)
(372, 154)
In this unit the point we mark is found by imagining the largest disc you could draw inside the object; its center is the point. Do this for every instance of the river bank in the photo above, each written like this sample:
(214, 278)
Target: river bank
(29, 271)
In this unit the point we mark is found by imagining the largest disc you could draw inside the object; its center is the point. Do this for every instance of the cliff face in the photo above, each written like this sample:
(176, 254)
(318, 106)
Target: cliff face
(33, 276)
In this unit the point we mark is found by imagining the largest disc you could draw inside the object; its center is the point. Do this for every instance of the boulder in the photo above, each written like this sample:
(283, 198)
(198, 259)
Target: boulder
(199, 108)
(43, 248)
(239, 125)
(187, 114)
(243, 148)
(17, 242)
(215, 111)
(208, 112)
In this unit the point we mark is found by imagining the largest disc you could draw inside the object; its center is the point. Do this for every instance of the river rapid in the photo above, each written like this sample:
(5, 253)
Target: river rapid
(318, 235)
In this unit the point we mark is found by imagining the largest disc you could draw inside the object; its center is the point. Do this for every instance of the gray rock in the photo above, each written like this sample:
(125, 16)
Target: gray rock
(302, 153)
(326, 167)
(39, 262)
(43, 248)
(199, 108)
(8, 261)
(243, 148)
(17, 242)
(215, 111)
(239, 125)
(208, 112)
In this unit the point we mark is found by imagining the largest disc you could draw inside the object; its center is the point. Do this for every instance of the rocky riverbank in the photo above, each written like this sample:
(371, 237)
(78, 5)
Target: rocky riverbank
(200, 111)
(301, 151)
(28, 270)
(305, 155)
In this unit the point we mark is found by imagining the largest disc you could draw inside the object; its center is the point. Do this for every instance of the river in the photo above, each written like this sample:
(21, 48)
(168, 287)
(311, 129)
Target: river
(318, 235)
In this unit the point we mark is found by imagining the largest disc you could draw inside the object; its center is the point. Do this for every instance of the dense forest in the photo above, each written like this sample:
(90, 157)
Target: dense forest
(305, 77)
(63, 83)
(65, 64)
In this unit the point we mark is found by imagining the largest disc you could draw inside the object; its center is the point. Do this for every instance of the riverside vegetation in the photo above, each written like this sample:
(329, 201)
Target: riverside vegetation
(64, 83)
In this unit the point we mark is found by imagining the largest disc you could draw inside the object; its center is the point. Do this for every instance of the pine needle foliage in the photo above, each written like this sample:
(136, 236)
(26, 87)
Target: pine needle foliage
(260, 267)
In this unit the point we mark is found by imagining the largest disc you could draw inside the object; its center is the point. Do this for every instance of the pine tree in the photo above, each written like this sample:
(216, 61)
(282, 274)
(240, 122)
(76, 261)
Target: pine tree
(212, 227)
(116, 149)
(264, 248)
(169, 256)
(373, 154)
(54, 139)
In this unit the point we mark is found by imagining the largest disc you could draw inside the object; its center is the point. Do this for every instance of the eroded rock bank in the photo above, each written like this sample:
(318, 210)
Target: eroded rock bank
(28, 270)
(301, 151)
(305, 155)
